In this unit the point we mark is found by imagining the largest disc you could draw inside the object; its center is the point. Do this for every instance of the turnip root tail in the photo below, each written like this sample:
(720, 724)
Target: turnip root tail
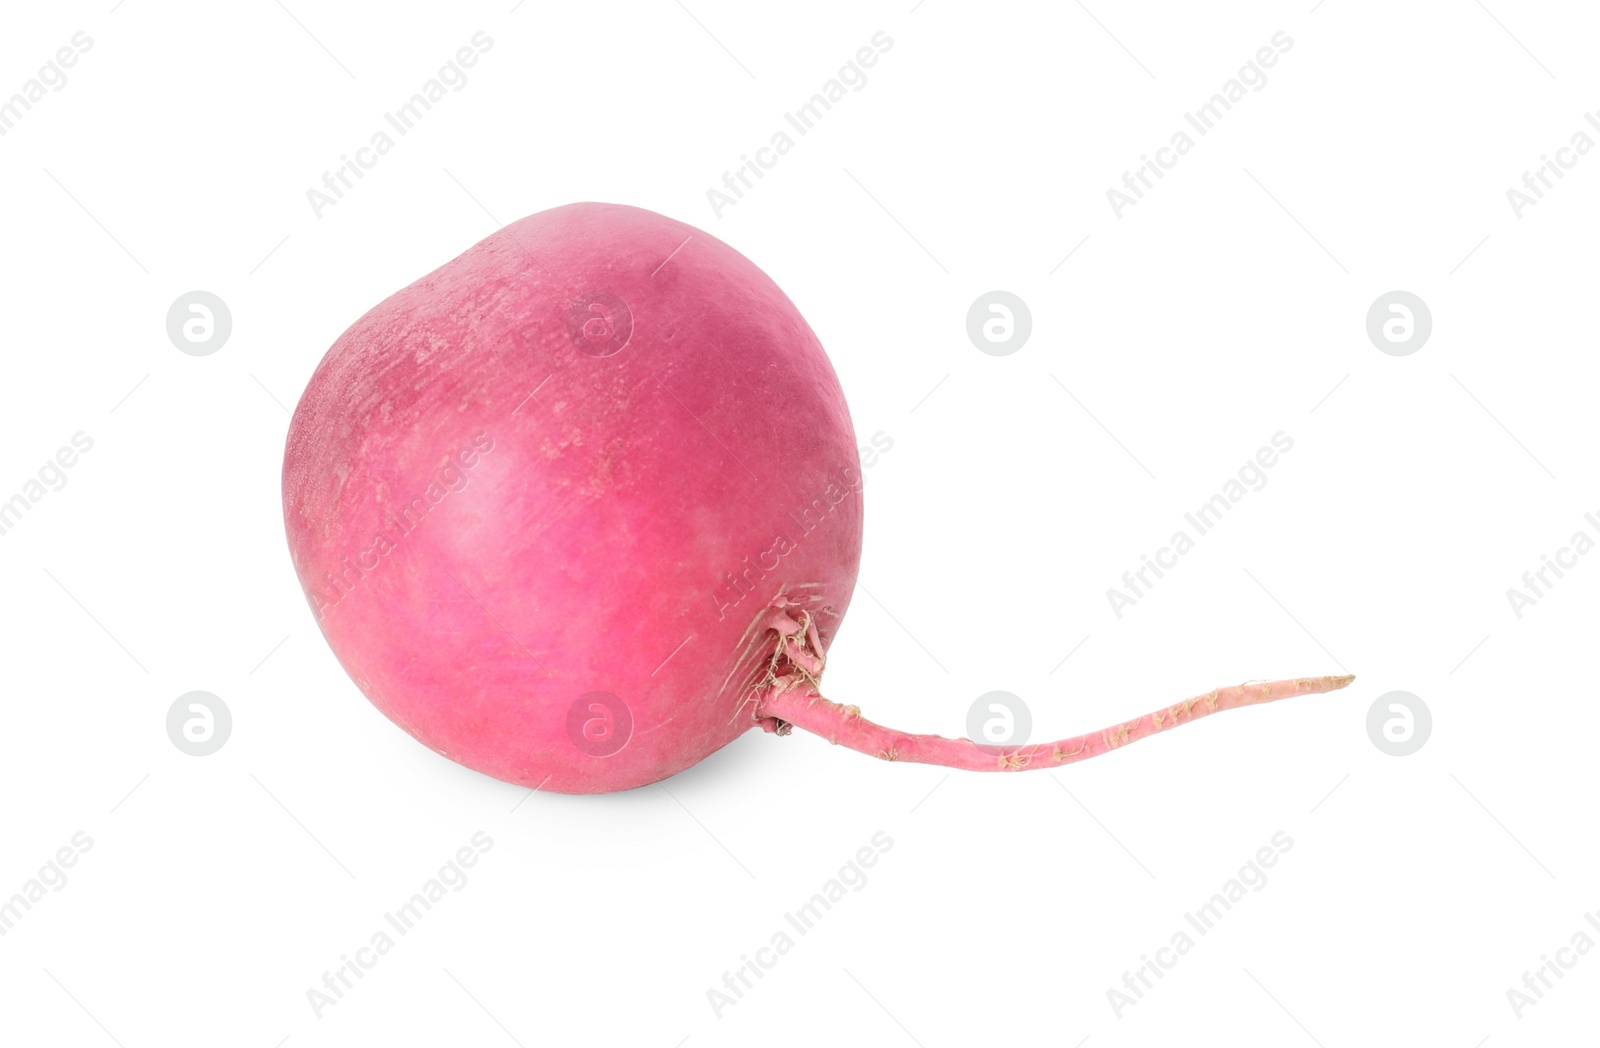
(801, 706)
(789, 697)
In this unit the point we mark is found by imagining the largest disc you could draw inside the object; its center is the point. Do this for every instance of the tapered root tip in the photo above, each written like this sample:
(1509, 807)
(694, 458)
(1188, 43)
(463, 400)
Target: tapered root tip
(1269, 690)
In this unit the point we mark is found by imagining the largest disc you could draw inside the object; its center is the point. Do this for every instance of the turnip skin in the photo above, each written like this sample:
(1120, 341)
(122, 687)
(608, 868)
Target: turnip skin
(596, 536)
(636, 501)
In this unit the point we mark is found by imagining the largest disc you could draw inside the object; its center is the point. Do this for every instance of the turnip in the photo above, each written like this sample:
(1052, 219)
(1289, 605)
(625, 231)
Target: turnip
(583, 505)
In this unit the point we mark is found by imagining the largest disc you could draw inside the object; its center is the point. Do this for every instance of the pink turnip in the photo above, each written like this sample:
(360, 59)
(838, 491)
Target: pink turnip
(583, 505)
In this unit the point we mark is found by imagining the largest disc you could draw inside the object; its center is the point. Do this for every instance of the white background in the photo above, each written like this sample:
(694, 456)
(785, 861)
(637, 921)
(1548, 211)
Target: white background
(1227, 305)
